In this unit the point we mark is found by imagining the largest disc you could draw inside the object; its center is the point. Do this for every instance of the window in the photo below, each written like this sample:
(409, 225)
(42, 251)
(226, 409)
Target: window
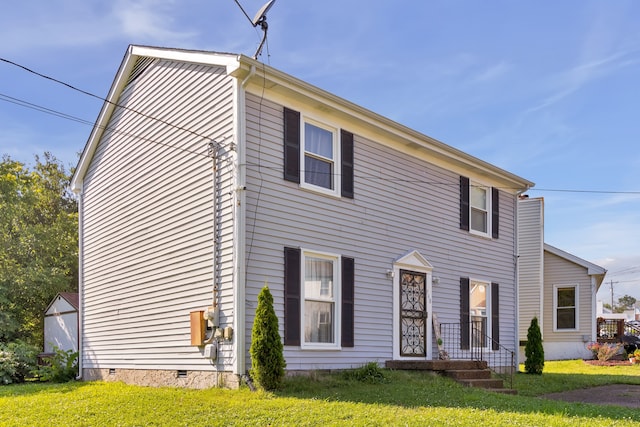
(317, 156)
(566, 309)
(479, 314)
(478, 309)
(479, 208)
(319, 295)
(319, 299)
(479, 205)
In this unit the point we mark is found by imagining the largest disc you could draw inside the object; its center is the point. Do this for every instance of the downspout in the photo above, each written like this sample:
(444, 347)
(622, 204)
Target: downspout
(79, 193)
(239, 226)
(517, 277)
(594, 309)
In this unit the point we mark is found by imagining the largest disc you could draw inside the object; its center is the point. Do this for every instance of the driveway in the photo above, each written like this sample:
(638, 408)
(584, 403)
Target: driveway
(616, 394)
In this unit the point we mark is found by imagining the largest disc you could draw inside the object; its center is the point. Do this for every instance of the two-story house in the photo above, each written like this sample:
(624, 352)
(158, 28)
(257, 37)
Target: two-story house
(210, 175)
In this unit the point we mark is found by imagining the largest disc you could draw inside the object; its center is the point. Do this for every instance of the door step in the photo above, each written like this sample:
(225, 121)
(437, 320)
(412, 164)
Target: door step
(469, 373)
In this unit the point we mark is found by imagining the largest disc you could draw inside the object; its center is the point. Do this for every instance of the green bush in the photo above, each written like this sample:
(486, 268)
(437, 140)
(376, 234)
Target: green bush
(61, 367)
(267, 358)
(17, 360)
(534, 351)
(368, 373)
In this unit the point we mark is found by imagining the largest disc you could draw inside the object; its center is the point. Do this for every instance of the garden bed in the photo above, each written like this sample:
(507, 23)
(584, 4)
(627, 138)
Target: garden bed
(609, 362)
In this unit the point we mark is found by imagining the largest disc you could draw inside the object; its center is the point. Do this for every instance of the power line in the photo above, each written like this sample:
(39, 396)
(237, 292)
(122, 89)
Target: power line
(44, 76)
(370, 177)
(66, 116)
(585, 191)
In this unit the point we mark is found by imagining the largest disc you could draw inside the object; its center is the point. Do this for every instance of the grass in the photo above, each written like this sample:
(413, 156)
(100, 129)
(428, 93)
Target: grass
(404, 398)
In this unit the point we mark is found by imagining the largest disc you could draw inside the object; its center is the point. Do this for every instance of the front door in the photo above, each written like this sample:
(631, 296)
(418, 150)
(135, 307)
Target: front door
(413, 313)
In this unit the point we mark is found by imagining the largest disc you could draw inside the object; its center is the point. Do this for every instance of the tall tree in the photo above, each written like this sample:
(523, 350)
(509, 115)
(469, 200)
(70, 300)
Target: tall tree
(38, 243)
(625, 303)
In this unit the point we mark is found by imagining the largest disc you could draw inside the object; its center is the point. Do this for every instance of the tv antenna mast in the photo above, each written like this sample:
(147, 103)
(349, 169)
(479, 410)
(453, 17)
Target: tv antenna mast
(259, 19)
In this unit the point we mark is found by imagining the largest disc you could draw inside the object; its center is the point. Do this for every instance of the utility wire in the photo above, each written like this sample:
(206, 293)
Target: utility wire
(79, 120)
(44, 76)
(66, 116)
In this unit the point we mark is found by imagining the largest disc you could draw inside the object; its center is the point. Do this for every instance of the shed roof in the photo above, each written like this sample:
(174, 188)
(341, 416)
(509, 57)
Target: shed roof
(70, 297)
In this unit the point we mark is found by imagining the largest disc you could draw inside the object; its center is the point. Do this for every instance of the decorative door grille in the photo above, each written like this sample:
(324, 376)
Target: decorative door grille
(413, 313)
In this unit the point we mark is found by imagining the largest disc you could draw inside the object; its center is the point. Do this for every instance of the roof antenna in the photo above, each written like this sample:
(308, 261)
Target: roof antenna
(259, 19)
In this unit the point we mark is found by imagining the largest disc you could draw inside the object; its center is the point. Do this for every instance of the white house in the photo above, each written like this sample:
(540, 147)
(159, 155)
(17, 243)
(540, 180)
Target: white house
(209, 175)
(556, 287)
(61, 323)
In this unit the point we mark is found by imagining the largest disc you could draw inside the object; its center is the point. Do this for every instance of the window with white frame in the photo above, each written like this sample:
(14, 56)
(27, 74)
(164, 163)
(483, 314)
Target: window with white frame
(479, 204)
(479, 312)
(320, 157)
(320, 299)
(565, 307)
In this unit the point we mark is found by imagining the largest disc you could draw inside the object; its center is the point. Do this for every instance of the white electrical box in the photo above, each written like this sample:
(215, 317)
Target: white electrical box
(210, 352)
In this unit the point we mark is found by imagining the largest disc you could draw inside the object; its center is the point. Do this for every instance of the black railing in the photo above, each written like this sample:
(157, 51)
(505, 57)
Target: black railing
(479, 347)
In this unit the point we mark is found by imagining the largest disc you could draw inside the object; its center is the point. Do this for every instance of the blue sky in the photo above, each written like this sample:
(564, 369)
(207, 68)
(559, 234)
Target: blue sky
(548, 90)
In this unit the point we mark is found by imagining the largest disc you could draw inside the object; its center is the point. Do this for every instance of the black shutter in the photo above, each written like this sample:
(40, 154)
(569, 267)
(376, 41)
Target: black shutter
(495, 212)
(464, 203)
(464, 313)
(348, 278)
(495, 316)
(291, 145)
(291, 296)
(346, 147)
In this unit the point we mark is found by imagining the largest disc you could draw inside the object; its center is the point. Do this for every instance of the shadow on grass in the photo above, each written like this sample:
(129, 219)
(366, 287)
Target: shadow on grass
(421, 389)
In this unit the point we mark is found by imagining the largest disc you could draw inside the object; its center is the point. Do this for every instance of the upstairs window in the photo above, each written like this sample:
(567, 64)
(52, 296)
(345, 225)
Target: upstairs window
(479, 208)
(320, 156)
(479, 205)
(317, 156)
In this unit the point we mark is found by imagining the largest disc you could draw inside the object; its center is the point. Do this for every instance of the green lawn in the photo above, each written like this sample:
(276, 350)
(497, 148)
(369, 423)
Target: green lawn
(407, 398)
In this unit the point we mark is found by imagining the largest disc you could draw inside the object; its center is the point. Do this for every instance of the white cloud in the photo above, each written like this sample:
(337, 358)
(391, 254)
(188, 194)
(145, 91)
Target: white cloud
(149, 20)
(494, 71)
(69, 23)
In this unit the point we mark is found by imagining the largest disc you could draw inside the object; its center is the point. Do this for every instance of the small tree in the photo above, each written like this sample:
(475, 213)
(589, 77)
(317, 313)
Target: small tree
(533, 351)
(267, 358)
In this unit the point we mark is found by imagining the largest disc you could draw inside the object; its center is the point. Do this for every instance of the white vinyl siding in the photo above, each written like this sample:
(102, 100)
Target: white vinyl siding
(530, 263)
(149, 224)
(402, 203)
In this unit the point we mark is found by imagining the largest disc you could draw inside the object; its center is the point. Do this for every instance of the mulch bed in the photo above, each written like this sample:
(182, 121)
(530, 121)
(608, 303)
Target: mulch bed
(608, 362)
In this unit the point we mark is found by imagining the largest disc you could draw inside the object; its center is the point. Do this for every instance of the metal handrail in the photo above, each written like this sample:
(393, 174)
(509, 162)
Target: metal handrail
(500, 359)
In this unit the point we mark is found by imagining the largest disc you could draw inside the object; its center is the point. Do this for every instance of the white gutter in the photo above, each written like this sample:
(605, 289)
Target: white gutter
(79, 194)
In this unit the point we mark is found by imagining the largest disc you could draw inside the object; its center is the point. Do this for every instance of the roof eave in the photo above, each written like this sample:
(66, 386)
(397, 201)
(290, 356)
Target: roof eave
(133, 52)
(270, 77)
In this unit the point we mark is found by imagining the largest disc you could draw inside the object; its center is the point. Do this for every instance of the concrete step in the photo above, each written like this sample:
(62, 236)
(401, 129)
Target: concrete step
(469, 374)
(482, 383)
(435, 365)
(502, 390)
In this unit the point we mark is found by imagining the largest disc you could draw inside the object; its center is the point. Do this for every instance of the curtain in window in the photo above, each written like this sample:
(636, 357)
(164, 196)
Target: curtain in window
(318, 163)
(318, 305)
